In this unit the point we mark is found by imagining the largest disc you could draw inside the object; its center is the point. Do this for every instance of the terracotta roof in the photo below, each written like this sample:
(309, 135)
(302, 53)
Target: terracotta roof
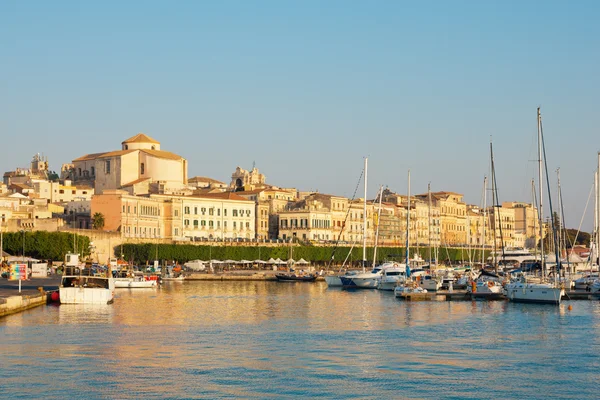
(225, 196)
(162, 154)
(135, 182)
(203, 179)
(140, 138)
(94, 156)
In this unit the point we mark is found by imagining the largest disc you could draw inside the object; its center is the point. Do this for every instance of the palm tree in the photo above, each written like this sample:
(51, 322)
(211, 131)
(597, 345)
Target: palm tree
(98, 221)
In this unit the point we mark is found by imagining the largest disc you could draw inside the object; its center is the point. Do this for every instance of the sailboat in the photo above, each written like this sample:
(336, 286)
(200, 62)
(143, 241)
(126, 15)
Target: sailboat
(539, 290)
(341, 280)
(408, 286)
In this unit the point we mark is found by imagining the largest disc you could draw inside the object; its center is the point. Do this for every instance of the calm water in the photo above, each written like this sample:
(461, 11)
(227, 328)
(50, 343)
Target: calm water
(281, 340)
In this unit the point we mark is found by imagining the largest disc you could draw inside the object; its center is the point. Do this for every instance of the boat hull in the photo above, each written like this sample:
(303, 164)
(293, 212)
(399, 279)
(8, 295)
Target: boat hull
(81, 295)
(534, 293)
(333, 281)
(295, 278)
(132, 284)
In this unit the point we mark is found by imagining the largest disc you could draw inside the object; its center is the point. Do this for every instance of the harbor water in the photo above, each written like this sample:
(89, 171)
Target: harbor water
(287, 340)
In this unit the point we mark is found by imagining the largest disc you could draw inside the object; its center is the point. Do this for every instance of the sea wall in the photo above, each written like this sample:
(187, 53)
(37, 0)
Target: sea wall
(15, 304)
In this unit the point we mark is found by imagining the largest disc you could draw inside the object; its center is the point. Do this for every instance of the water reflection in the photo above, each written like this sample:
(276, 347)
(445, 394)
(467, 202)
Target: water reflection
(265, 339)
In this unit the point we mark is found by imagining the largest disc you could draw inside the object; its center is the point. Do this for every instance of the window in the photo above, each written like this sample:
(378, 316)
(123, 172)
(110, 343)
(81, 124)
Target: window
(186, 222)
(203, 223)
(196, 210)
(235, 213)
(123, 208)
(142, 169)
(186, 210)
(211, 224)
(79, 171)
(203, 210)
(195, 223)
(107, 166)
(234, 225)
(247, 225)
(73, 192)
(218, 211)
(177, 213)
(126, 147)
(218, 224)
(248, 213)
(61, 191)
(211, 211)
(135, 210)
(128, 209)
(176, 232)
(84, 192)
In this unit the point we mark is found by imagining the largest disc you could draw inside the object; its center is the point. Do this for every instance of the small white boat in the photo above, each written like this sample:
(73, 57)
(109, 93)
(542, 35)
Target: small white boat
(180, 278)
(392, 277)
(78, 289)
(132, 283)
(401, 291)
(429, 283)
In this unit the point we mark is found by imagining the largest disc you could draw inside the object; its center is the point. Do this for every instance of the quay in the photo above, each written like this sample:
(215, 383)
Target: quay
(463, 295)
(34, 293)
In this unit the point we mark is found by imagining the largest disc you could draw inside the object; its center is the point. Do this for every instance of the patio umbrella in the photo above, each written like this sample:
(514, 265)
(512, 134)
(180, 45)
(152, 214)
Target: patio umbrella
(260, 262)
(302, 261)
(272, 261)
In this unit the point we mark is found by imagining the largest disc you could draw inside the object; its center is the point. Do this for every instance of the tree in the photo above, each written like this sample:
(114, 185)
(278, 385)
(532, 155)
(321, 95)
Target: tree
(98, 221)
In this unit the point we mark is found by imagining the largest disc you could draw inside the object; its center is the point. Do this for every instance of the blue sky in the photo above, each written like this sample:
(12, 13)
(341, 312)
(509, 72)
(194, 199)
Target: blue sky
(306, 89)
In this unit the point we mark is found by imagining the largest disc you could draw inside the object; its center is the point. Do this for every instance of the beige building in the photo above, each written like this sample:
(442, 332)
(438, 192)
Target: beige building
(242, 179)
(502, 225)
(55, 192)
(275, 200)
(527, 227)
(452, 215)
(140, 162)
(211, 217)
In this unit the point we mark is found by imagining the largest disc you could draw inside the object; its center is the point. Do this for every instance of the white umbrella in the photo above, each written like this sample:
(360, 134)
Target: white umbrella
(216, 261)
(260, 261)
(229, 261)
(279, 261)
(245, 262)
(291, 261)
(272, 261)
(302, 261)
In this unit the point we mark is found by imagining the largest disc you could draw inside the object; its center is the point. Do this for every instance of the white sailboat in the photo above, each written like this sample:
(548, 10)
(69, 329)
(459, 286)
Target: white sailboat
(408, 286)
(527, 290)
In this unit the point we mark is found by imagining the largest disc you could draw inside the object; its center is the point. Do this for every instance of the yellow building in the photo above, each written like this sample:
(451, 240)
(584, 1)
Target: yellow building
(453, 217)
(139, 160)
(212, 216)
(527, 226)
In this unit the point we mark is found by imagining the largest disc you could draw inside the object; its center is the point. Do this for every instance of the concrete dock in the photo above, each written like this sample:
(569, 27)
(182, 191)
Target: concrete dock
(34, 293)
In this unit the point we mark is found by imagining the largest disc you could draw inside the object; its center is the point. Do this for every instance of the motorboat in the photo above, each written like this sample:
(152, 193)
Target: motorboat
(392, 277)
(134, 282)
(84, 289)
(586, 282)
(402, 291)
(293, 277)
(367, 280)
(429, 283)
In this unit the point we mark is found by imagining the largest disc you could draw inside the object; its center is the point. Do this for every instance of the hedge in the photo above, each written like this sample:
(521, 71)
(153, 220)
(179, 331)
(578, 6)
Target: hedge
(45, 245)
(145, 253)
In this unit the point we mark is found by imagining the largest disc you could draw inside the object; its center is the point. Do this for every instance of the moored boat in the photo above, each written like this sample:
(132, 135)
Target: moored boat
(292, 277)
(81, 289)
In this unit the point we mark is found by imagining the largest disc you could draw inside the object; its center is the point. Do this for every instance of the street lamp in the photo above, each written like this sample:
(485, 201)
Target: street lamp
(23, 253)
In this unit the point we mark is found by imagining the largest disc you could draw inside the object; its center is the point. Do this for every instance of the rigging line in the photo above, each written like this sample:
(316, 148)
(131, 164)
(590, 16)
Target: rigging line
(345, 219)
(554, 238)
(583, 216)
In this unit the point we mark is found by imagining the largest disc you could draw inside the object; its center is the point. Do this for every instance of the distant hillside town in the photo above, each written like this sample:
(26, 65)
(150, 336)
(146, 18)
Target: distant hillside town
(141, 191)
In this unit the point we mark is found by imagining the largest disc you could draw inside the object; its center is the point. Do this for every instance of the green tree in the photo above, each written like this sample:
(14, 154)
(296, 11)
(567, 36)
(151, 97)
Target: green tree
(98, 221)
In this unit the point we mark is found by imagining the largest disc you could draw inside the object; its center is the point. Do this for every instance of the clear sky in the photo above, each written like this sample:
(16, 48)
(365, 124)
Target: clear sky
(306, 89)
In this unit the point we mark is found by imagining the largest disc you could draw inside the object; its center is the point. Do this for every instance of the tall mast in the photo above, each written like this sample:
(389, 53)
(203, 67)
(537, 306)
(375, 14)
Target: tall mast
(535, 247)
(541, 210)
(429, 216)
(408, 222)
(597, 221)
(494, 207)
(484, 221)
(364, 260)
(377, 228)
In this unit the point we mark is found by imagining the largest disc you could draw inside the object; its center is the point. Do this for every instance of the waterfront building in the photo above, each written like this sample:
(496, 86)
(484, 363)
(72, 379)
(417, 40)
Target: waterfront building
(527, 226)
(452, 215)
(216, 216)
(140, 167)
(274, 200)
(502, 222)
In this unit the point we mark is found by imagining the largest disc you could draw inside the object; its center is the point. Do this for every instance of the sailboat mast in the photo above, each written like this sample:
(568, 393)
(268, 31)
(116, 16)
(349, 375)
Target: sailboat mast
(483, 233)
(597, 221)
(364, 260)
(535, 247)
(408, 222)
(541, 210)
(429, 216)
(377, 228)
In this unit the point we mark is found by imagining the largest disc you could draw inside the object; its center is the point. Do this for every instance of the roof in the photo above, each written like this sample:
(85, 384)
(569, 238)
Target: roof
(225, 196)
(203, 179)
(136, 182)
(140, 138)
(155, 153)
(162, 154)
